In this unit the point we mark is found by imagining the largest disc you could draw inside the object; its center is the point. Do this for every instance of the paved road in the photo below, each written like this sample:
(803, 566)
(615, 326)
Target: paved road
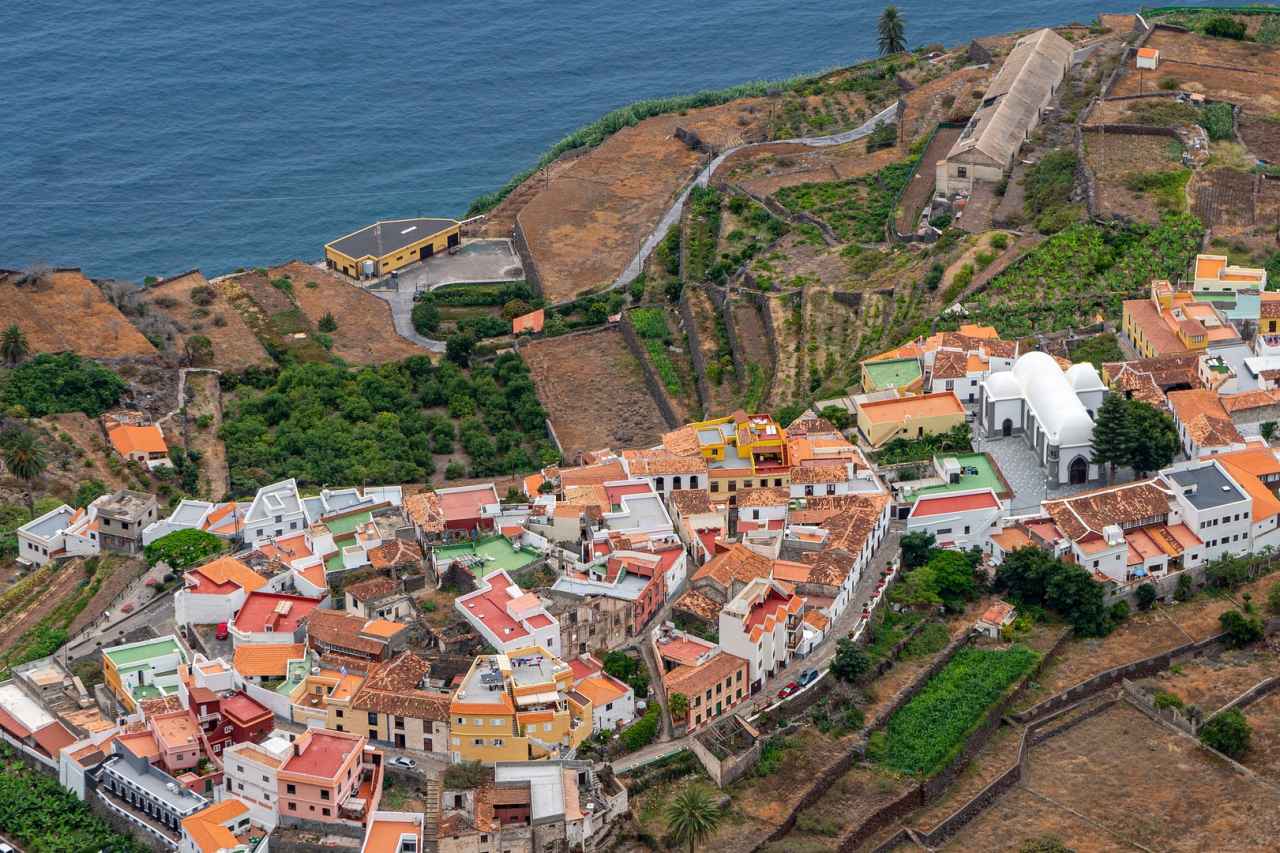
(158, 616)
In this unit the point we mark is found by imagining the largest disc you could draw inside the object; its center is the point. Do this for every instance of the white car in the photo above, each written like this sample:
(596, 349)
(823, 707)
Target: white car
(398, 761)
(5, 848)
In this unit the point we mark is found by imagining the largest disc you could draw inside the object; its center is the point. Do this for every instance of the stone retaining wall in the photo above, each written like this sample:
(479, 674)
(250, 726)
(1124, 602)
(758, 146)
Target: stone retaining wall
(526, 260)
(651, 380)
(695, 348)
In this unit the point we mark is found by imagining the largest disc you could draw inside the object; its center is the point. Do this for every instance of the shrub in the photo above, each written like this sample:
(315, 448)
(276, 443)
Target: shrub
(1048, 183)
(643, 731)
(1224, 26)
(1169, 83)
(1182, 591)
(183, 548)
(466, 775)
(1000, 242)
(1146, 595)
(89, 491)
(851, 663)
(934, 276)
(455, 470)
(1165, 699)
(1228, 732)
(327, 323)
(425, 317)
(49, 384)
(1273, 598)
(1218, 121)
(203, 295)
(1241, 629)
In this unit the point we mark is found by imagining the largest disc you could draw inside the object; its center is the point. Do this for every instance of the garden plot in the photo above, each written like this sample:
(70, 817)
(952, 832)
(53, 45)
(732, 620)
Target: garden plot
(1224, 199)
(594, 392)
(856, 209)
(1242, 73)
(653, 327)
(713, 344)
(1261, 135)
(920, 190)
(1210, 683)
(1139, 177)
(62, 310)
(194, 307)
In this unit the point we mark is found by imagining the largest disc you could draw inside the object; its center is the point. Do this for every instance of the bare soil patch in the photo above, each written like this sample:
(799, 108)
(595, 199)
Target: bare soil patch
(62, 310)
(1224, 198)
(203, 420)
(714, 352)
(123, 571)
(1264, 749)
(1220, 69)
(593, 389)
(952, 97)
(1117, 157)
(234, 345)
(766, 174)
(1261, 135)
(275, 320)
(920, 190)
(87, 437)
(1210, 683)
(365, 333)
(26, 616)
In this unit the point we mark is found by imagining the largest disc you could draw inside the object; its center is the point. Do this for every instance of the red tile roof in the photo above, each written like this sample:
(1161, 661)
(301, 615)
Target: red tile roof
(283, 613)
(946, 504)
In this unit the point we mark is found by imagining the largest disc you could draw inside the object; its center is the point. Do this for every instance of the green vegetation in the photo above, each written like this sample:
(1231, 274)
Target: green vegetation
(891, 32)
(932, 728)
(1165, 699)
(325, 423)
(857, 208)
(1241, 628)
(644, 730)
(1083, 271)
(466, 776)
(956, 440)
(24, 457)
(496, 293)
(1229, 733)
(651, 327)
(1169, 188)
(50, 633)
(692, 816)
(1218, 120)
(1098, 350)
(1034, 577)
(948, 578)
(13, 344)
(703, 233)
(1224, 26)
(42, 816)
(851, 663)
(183, 548)
(1048, 186)
(1134, 434)
(49, 384)
(626, 668)
(425, 316)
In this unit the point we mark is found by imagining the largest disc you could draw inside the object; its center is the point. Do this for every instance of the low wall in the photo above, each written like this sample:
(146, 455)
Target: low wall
(695, 348)
(526, 260)
(723, 301)
(651, 381)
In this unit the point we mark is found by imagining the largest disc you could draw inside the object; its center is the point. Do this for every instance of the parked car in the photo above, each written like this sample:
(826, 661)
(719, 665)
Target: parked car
(788, 690)
(808, 677)
(5, 848)
(220, 633)
(401, 761)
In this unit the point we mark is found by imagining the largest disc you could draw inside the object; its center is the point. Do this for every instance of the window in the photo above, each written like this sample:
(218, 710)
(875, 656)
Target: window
(338, 714)
(962, 171)
(715, 487)
(373, 718)
(293, 807)
(324, 812)
(324, 795)
(478, 742)
(291, 789)
(496, 721)
(497, 741)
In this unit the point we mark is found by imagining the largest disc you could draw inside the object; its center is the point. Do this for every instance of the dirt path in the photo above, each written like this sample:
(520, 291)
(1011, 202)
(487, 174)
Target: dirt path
(206, 403)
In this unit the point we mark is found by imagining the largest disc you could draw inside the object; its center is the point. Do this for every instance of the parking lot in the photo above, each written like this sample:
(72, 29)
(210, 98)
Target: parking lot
(475, 261)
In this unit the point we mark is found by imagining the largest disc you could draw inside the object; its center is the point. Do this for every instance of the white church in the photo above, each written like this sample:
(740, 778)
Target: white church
(1051, 409)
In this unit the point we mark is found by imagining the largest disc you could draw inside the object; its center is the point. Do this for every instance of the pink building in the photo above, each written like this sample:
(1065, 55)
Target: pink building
(330, 777)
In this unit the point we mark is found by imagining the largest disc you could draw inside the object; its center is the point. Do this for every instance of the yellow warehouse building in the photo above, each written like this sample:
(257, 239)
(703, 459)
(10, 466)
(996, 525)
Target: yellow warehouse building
(388, 245)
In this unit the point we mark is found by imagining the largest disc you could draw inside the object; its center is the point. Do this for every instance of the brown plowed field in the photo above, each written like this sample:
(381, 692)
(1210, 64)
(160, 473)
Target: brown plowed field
(589, 219)
(593, 390)
(1120, 779)
(1114, 157)
(234, 345)
(769, 173)
(65, 311)
(1261, 135)
(365, 333)
(1243, 73)
(1223, 198)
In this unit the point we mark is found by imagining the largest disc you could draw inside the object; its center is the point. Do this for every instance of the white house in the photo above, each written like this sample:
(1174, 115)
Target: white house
(1214, 507)
(61, 532)
(956, 519)
(1051, 409)
(276, 511)
(508, 617)
(761, 624)
(996, 617)
(251, 773)
(215, 592)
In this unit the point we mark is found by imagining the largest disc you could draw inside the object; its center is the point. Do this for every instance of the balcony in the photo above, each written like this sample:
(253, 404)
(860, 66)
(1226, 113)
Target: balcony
(136, 815)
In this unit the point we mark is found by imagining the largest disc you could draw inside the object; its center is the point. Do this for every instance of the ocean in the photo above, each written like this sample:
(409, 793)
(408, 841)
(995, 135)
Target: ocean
(143, 139)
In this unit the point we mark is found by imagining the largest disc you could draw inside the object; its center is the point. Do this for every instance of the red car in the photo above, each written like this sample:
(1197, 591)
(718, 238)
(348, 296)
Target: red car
(788, 690)
(220, 632)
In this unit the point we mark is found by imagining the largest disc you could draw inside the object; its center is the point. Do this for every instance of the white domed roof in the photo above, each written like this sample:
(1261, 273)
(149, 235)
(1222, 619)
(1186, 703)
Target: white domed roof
(1075, 429)
(1033, 365)
(1084, 377)
(1002, 386)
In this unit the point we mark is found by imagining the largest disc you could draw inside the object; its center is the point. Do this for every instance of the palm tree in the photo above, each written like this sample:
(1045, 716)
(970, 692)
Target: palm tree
(13, 344)
(893, 37)
(25, 459)
(692, 816)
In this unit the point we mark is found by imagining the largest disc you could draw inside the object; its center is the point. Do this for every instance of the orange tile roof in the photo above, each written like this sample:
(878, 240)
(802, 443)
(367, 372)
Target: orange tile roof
(1247, 467)
(1148, 52)
(1011, 539)
(1232, 403)
(1201, 412)
(230, 570)
(662, 461)
(602, 689)
(207, 827)
(921, 406)
(691, 680)
(531, 322)
(126, 439)
(425, 511)
(266, 659)
(738, 563)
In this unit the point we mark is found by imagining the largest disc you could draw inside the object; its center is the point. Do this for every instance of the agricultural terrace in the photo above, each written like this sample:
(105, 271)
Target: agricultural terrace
(655, 336)
(856, 209)
(1083, 273)
(933, 727)
(186, 307)
(1139, 177)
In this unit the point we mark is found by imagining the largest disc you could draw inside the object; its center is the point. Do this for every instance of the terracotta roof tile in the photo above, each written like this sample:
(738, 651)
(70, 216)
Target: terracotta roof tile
(397, 552)
(1089, 513)
(770, 496)
(266, 660)
(662, 461)
(394, 687)
(372, 589)
(690, 501)
(425, 511)
(739, 563)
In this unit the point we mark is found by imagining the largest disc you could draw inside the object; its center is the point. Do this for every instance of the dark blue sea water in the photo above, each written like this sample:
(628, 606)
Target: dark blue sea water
(147, 138)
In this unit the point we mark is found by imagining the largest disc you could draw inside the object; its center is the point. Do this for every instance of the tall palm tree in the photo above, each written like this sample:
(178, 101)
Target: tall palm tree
(25, 459)
(13, 344)
(692, 816)
(893, 35)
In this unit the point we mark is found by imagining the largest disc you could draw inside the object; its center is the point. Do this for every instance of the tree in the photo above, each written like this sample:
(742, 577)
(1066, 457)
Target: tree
(458, 349)
(13, 344)
(1182, 590)
(425, 317)
(1157, 438)
(199, 351)
(1268, 430)
(1146, 596)
(892, 32)
(851, 663)
(327, 323)
(692, 816)
(183, 548)
(62, 382)
(953, 574)
(1241, 629)
(88, 491)
(24, 458)
(1228, 732)
(1035, 577)
(1112, 439)
(1224, 26)
(915, 549)
(679, 704)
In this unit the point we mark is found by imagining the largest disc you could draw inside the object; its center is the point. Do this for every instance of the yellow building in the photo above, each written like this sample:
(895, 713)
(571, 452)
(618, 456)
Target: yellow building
(742, 451)
(517, 707)
(882, 421)
(147, 669)
(377, 249)
(1172, 322)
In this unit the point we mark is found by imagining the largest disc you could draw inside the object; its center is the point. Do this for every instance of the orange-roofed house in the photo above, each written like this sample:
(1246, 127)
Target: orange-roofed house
(762, 624)
(1215, 275)
(517, 707)
(1147, 59)
(330, 777)
(395, 832)
(214, 592)
(226, 826)
(995, 618)
(1257, 471)
(613, 702)
(1204, 426)
(1173, 322)
(714, 684)
(530, 323)
(258, 662)
(142, 444)
(881, 421)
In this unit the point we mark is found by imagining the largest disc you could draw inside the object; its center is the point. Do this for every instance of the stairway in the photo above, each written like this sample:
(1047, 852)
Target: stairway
(431, 815)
